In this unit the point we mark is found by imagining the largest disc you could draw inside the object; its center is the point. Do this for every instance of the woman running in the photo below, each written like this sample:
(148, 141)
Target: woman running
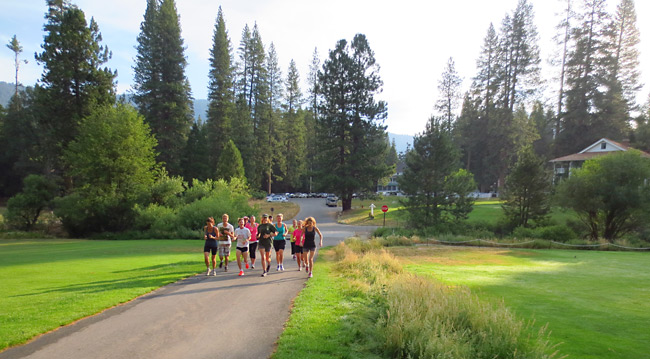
(297, 238)
(292, 228)
(243, 236)
(265, 232)
(279, 242)
(309, 245)
(210, 246)
(252, 245)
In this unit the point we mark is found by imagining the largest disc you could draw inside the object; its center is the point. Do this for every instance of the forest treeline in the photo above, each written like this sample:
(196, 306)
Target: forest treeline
(261, 127)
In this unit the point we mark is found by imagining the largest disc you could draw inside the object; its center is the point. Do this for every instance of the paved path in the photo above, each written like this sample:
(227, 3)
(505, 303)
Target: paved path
(226, 316)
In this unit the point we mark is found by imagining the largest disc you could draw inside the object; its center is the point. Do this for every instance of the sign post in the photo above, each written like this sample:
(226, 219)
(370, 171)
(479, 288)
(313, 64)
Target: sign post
(384, 209)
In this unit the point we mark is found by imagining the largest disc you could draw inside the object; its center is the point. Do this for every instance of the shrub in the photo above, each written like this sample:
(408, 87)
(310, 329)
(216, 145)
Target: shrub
(556, 233)
(155, 216)
(24, 208)
(524, 232)
(167, 191)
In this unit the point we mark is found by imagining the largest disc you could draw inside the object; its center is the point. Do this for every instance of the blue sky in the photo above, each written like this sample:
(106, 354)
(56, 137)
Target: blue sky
(412, 39)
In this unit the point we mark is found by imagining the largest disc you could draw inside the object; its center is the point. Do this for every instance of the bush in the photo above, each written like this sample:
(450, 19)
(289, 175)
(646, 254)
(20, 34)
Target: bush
(155, 216)
(24, 208)
(524, 232)
(556, 233)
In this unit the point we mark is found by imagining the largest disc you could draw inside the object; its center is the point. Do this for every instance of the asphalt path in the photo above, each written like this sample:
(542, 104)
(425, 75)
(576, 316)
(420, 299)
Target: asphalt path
(223, 316)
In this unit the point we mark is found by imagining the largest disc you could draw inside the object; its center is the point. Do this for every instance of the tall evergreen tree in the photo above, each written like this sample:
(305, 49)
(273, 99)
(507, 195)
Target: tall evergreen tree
(449, 88)
(14, 46)
(625, 39)
(433, 158)
(162, 91)
(196, 158)
(73, 82)
(350, 119)
(294, 150)
(230, 164)
(273, 161)
(220, 90)
(583, 121)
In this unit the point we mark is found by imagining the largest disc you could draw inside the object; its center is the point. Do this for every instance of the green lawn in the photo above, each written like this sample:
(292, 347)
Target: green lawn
(595, 303)
(49, 283)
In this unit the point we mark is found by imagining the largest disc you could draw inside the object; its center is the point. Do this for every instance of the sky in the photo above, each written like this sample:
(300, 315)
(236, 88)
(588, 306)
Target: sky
(412, 39)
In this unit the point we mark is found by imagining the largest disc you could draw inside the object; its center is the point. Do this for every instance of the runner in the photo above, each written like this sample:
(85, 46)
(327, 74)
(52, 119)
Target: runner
(210, 246)
(309, 245)
(227, 232)
(292, 228)
(265, 231)
(252, 245)
(279, 242)
(243, 236)
(297, 238)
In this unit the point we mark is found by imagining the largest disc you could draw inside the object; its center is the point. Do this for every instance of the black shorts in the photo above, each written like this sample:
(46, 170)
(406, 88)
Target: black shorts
(264, 244)
(308, 248)
(242, 249)
(210, 249)
(298, 249)
(253, 247)
(279, 244)
(293, 247)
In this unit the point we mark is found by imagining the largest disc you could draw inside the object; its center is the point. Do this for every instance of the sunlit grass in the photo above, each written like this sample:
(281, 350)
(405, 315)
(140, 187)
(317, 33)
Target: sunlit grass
(594, 302)
(49, 283)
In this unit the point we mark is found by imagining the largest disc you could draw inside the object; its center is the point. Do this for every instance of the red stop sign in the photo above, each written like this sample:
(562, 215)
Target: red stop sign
(384, 208)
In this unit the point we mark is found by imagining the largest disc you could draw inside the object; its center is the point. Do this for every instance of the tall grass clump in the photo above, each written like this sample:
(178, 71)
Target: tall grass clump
(417, 317)
(424, 319)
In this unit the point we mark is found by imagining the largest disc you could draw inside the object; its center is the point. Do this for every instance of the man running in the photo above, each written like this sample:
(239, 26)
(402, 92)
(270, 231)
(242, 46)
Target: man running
(227, 232)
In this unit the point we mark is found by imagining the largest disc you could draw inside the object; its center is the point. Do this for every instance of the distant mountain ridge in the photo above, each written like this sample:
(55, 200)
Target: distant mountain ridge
(200, 111)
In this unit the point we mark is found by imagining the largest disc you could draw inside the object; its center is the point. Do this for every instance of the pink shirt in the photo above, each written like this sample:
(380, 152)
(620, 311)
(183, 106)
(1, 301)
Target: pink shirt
(298, 237)
(253, 230)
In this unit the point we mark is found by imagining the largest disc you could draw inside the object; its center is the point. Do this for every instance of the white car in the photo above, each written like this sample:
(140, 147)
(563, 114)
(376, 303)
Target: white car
(277, 198)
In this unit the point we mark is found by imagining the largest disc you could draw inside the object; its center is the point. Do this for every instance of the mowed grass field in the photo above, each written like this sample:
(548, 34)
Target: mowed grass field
(596, 304)
(48, 283)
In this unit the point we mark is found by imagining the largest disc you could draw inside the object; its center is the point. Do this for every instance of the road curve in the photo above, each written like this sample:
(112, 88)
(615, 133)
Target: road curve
(226, 316)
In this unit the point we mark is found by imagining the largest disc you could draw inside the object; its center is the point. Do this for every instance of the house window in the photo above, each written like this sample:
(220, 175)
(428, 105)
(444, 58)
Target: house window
(603, 146)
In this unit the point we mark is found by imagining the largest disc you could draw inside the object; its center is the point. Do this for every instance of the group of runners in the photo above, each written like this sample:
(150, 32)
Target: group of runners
(250, 237)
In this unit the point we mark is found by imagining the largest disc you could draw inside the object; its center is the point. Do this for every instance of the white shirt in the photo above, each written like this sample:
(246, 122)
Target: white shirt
(242, 234)
(230, 228)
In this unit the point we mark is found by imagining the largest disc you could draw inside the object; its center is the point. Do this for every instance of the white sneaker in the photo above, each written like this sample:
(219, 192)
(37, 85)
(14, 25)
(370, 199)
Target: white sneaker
(310, 275)
(282, 267)
(208, 272)
(277, 269)
(214, 272)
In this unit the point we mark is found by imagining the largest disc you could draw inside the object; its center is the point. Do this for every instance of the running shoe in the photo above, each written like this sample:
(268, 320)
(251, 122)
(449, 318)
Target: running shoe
(246, 265)
(310, 275)
(294, 257)
(208, 272)
(268, 267)
(299, 268)
(241, 273)
(282, 267)
(214, 272)
(263, 274)
(220, 264)
(252, 266)
(225, 269)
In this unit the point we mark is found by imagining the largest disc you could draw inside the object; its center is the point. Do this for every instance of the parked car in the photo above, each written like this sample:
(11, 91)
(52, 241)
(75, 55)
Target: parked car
(332, 201)
(277, 198)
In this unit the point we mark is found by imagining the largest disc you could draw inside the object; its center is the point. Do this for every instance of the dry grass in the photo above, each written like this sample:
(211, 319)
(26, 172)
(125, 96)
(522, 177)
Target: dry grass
(289, 209)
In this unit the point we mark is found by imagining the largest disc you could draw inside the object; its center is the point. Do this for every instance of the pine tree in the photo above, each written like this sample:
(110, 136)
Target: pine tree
(162, 89)
(230, 164)
(73, 82)
(274, 164)
(433, 158)
(449, 88)
(294, 134)
(626, 38)
(220, 90)
(350, 119)
(196, 158)
(14, 46)
(585, 71)
(527, 190)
